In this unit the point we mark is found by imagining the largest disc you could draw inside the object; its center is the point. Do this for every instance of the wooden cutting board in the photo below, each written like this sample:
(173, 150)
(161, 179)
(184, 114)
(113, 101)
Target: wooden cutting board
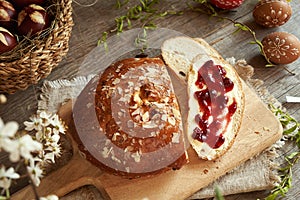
(259, 130)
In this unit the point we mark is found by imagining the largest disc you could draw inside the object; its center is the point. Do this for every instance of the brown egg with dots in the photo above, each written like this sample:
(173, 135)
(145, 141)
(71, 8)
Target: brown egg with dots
(32, 20)
(7, 40)
(7, 14)
(272, 13)
(281, 47)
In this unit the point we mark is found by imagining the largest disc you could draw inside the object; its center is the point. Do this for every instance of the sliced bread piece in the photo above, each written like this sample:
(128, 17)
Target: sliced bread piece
(215, 95)
(179, 52)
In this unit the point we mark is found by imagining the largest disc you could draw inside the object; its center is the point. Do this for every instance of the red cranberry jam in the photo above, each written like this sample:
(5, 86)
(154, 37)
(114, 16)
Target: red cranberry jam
(213, 102)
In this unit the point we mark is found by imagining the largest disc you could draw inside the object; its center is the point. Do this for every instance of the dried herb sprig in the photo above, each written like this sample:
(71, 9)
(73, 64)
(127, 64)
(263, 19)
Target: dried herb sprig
(206, 8)
(292, 132)
(145, 12)
(141, 41)
(120, 4)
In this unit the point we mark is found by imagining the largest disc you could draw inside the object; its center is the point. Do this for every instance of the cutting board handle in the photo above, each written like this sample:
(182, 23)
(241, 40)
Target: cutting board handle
(76, 173)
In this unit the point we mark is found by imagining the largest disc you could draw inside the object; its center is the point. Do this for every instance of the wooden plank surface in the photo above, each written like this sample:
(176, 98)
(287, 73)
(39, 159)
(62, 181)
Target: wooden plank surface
(91, 21)
(258, 124)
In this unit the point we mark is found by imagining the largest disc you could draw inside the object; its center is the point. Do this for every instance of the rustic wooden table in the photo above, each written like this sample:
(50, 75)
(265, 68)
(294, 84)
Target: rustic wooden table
(91, 21)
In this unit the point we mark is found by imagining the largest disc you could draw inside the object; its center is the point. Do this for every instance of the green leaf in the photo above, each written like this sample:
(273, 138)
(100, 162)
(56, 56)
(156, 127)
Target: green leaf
(218, 194)
(290, 130)
(270, 65)
(292, 155)
(241, 26)
(291, 159)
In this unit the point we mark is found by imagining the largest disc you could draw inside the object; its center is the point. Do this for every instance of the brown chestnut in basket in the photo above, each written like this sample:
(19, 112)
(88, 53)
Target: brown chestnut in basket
(7, 14)
(7, 40)
(23, 3)
(32, 20)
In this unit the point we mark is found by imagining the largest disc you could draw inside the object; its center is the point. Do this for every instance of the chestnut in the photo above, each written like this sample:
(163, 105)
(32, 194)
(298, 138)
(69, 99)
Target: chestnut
(20, 4)
(7, 14)
(32, 20)
(7, 40)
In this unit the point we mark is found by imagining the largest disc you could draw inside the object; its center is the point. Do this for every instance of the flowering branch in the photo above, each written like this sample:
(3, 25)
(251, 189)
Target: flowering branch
(37, 147)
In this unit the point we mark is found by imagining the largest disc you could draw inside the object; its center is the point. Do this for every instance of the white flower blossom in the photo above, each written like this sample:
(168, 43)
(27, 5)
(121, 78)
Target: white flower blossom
(9, 145)
(58, 125)
(49, 197)
(53, 140)
(24, 147)
(35, 171)
(47, 133)
(6, 176)
(52, 152)
(34, 124)
(39, 135)
(9, 129)
(46, 118)
(45, 129)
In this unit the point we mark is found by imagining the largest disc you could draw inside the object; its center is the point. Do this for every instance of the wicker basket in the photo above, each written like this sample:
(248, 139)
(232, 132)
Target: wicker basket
(41, 55)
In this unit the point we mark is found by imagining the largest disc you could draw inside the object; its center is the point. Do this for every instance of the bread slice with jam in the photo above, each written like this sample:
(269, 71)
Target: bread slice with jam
(215, 95)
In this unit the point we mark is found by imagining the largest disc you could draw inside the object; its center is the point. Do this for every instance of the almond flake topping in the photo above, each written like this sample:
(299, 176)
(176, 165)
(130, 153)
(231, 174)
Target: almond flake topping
(136, 156)
(172, 121)
(105, 152)
(175, 138)
(114, 138)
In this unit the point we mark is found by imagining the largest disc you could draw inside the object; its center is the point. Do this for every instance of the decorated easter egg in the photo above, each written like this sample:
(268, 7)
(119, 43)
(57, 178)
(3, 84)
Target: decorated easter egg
(272, 13)
(7, 40)
(32, 20)
(281, 47)
(227, 4)
(7, 14)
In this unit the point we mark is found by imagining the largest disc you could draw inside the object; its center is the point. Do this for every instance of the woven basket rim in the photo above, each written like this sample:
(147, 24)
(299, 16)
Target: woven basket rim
(39, 61)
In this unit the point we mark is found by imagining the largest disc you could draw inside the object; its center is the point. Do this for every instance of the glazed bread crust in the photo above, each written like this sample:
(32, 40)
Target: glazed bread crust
(128, 120)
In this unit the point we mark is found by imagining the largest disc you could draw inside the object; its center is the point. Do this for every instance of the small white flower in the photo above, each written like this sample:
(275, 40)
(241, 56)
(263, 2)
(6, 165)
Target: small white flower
(6, 176)
(46, 133)
(58, 125)
(34, 124)
(49, 157)
(53, 140)
(46, 118)
(39, 135)
(52, 152)
(9, 129)
(49, 197)
(35, 172)
(24, 146)
(9, 146)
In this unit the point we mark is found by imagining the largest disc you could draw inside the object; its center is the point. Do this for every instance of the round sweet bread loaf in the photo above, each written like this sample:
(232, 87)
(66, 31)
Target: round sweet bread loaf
(128, 120)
